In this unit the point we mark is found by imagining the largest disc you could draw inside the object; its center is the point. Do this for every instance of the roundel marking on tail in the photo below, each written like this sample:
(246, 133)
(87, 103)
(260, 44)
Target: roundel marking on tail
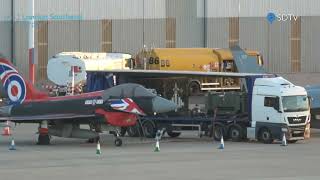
(13, 83)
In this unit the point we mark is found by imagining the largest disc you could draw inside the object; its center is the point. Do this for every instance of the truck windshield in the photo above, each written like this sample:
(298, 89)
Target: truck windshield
(295, 103)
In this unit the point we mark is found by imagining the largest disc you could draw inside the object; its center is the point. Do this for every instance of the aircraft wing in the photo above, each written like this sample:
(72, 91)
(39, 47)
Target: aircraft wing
(46, 117)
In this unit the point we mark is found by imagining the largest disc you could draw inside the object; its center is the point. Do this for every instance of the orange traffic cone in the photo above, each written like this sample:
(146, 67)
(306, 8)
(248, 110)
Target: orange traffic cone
(6, 131)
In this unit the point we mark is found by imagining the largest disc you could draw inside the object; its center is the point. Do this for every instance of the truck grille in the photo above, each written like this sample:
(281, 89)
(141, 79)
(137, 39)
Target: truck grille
(297, 120)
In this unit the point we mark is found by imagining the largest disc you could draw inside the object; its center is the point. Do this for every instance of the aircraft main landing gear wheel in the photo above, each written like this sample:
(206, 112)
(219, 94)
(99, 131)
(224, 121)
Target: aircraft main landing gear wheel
(118, 142)
(43, 139)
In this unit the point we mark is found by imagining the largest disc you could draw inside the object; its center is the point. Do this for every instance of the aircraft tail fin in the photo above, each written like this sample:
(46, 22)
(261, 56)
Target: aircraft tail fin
(14, 86)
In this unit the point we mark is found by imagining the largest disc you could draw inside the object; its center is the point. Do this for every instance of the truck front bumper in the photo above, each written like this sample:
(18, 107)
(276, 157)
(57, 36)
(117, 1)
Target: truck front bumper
(297, 132)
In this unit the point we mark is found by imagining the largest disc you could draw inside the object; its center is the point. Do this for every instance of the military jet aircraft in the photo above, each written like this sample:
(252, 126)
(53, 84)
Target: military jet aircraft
(119, 106)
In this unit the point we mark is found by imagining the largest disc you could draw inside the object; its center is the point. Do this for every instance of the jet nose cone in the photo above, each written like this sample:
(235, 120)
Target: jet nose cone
(161, 105)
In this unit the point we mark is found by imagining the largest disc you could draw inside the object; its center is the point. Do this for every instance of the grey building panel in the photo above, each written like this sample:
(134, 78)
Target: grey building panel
(63, 36)
(271, 40)
(90, 36)
(21, 47)
(310, 43)
(20, 9)
(155, 33)
(42, 7)
(189, 32)
(5, 29)
(217, 32)
(117, 9)
(5, 39)
(127, 35)
(302, 79)
(63, 8)
(222, 8)
(279, 47)
(5, 10)
(254, 35)
(254, 8)
(189, 27)
(181, 8)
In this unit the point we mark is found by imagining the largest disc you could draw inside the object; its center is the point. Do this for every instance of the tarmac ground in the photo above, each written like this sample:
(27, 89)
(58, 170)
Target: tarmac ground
(187, 157)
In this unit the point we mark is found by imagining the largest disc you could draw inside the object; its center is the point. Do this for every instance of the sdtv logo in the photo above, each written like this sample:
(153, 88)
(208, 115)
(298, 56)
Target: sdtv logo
(271, 17)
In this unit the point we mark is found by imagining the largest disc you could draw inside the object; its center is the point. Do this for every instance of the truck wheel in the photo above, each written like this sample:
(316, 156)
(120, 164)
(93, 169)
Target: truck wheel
(265, 136)
(133, 131)
(218, 131)
(235, 133)
(149, 129)
(173, 134)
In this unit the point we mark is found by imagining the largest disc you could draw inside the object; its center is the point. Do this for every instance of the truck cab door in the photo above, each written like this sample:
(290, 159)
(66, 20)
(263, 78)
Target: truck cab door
(272, 111)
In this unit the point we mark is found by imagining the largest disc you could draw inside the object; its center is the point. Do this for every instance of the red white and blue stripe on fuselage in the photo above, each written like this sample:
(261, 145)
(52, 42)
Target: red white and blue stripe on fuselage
(126, 105)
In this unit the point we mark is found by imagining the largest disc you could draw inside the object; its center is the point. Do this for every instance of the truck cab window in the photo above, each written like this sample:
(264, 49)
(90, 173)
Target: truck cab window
(270, 101)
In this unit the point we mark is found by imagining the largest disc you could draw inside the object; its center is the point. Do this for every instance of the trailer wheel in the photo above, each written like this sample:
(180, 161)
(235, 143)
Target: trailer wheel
(173, 134)
(149, 129)
(218, 131)
(235, 132)
(265, 136)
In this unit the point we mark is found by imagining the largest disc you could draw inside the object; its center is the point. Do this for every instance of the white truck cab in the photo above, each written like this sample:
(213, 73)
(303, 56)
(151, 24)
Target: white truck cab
(278, 107)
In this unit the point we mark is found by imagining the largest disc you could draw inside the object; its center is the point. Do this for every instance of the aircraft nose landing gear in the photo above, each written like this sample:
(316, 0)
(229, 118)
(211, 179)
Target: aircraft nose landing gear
(117, 141)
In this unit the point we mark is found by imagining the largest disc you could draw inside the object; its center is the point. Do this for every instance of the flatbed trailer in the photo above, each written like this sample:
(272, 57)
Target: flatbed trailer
(174, 125)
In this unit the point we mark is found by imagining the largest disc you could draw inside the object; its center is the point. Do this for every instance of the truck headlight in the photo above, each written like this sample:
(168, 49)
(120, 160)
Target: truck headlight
(284, 129)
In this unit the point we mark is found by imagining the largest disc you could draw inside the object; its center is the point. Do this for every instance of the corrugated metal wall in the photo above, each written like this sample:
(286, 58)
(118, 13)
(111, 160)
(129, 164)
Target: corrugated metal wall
(135, 23)
(310, 44)
(254, 34)
(21, 47)
(189, 26)
(217, 32)
(5, 28)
